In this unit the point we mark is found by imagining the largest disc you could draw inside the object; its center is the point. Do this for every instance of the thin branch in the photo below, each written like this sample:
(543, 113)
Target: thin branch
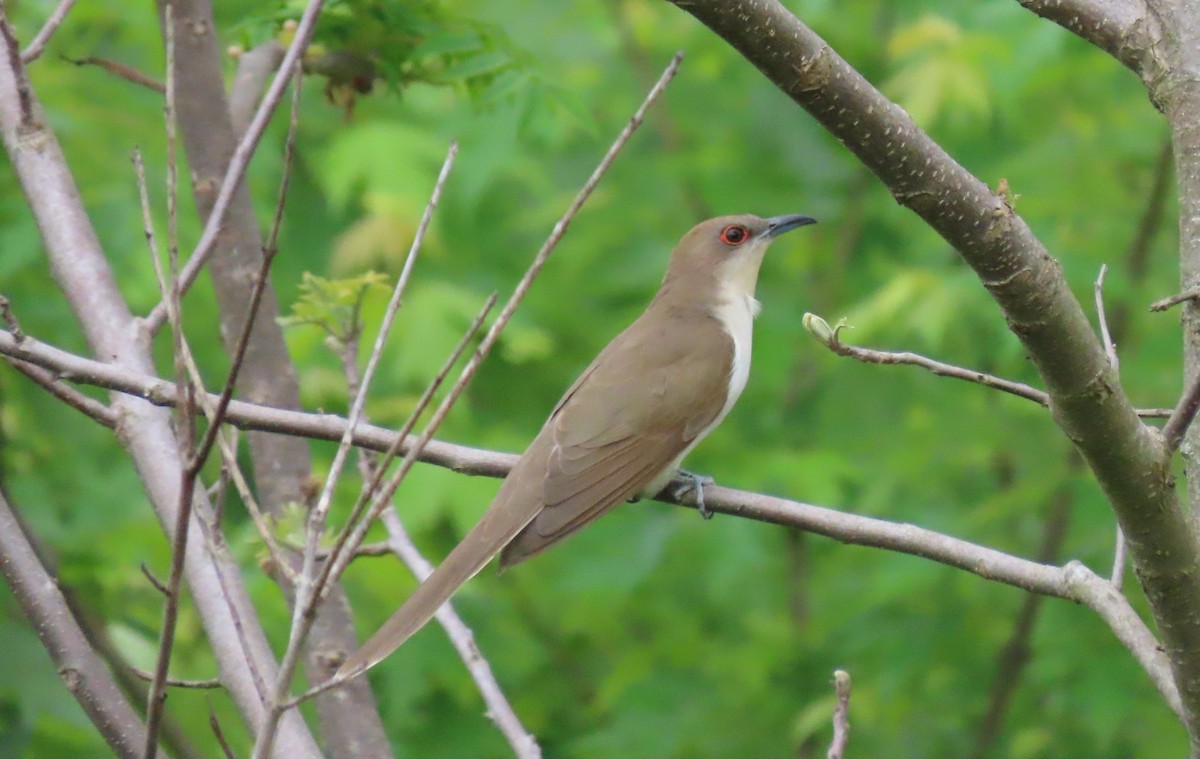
(1071, 582)
(86, 405)
(240, 160)
(348, 540)
(176, 682)
(1181, 418)
(38, 43)
(83, 274)
(155, 583)
(830, 338)
(9, 318)
(841, 715)
(122, 70)
(310, 586)
(156, 699)
(319, 514)
(335, 567)
(1166, 303)
(214, 407)
(82, 671)
(219, 734)
(499, 710)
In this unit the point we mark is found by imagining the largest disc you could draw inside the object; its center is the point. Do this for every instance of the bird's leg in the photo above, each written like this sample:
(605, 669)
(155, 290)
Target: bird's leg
(694, 483)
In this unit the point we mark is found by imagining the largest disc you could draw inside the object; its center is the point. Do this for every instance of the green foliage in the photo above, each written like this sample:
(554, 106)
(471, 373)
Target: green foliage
(653, 633)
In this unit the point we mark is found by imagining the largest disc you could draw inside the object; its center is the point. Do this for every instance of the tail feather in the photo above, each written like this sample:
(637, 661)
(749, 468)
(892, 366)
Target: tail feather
(499, 525)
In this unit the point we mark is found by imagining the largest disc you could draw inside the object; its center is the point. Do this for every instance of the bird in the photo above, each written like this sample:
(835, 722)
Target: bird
(621, 431)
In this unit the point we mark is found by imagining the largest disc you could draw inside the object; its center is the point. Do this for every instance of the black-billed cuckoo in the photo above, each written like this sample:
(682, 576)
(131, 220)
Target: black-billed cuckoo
(624, 427)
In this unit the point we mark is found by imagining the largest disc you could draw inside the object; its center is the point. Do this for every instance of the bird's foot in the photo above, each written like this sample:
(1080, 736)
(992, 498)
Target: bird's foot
(694, 483)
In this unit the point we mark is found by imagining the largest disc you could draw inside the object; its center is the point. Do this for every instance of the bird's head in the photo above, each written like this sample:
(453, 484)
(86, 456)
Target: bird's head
(726, 252)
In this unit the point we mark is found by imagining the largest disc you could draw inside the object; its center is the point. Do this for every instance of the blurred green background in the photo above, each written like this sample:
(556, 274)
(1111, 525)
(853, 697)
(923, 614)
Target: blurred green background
(655, 633)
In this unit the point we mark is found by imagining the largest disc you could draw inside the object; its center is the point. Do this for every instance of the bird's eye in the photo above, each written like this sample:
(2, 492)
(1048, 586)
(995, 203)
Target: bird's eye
(734, 234)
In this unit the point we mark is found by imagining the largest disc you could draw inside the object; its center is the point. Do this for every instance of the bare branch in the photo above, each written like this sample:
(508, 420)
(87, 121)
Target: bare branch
(82, 272)
(841, 715)
(499, 710)
(830, 337)
(1119, 27)
(176, 682)
(1181, 418)
(81, 670)
(1087, 400)
(236, 171)
(90, 407)
(122, 70)
(1174, 300)
(845, 527)
(156, 699)
(38, 43)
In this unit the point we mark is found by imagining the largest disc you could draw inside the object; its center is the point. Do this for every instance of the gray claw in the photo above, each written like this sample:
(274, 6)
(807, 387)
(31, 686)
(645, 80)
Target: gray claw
(694, 483)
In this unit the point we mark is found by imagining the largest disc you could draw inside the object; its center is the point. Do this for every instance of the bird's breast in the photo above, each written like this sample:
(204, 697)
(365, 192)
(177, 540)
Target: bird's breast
(736, 314)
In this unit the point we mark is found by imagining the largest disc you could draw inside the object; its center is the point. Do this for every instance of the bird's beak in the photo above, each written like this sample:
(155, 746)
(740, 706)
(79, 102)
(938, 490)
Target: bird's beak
(777, 225)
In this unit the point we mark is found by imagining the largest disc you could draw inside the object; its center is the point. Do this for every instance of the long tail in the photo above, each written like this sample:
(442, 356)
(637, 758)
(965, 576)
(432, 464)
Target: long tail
(507, 516)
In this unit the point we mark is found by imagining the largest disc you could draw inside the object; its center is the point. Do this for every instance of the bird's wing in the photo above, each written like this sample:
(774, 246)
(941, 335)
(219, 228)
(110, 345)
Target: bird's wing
(611, 437)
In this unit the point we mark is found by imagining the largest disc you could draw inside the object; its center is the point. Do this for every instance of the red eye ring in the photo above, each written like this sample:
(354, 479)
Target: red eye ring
(735, 234)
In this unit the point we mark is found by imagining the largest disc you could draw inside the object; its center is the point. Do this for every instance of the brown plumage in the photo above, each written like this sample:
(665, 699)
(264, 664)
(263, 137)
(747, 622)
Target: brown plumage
(625, 425)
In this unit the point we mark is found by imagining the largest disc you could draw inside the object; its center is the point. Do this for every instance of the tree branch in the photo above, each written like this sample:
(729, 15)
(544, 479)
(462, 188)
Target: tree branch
(1087, 401)
(1121, 28)
(38, 43)
(82, 272)
(1074, 582)
(80, 668)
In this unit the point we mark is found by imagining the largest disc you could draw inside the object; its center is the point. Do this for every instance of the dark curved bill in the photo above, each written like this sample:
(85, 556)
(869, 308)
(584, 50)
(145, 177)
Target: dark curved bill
(777, 225)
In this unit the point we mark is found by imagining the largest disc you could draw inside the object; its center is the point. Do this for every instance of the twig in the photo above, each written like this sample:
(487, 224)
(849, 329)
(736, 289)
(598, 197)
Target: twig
(310, 585)
(1181, 418)
(86, 405)
(219, 734)
(156, 583)
(347, 542)
(156, 699)
(240, 160)
(1174, 300)
(176, 682)
(82, 671)
(1070, 582)
(124, 71)
(38, 43)
(20, 75)
(6, 313)
(319, 514)
(841, 715)
(499, 710)
(382, 548)
(830, 338)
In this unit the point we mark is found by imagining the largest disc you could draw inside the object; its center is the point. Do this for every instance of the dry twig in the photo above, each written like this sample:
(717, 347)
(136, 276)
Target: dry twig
(841, 715)
(38, 43)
